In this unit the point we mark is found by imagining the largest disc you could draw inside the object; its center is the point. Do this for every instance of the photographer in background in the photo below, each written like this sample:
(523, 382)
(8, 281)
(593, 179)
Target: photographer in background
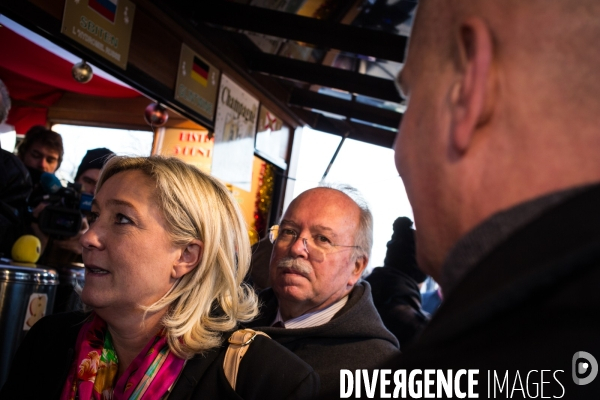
(41, 150)
(68, 250)
(89, 170)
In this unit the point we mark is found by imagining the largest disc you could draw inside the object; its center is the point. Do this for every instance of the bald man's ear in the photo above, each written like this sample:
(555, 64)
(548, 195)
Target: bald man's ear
(471, 96)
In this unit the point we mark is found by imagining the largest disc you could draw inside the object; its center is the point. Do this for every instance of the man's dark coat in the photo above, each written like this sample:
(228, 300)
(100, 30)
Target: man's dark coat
(529, 305)
(354, 339)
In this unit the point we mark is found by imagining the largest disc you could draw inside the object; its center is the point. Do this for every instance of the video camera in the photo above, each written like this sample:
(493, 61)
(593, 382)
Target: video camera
(62, 218)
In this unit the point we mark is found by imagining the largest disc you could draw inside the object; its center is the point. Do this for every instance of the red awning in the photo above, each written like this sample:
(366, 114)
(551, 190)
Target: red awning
(37, 78)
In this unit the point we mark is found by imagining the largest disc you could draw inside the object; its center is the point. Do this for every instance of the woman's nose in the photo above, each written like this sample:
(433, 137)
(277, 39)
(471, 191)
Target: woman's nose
(91, 238)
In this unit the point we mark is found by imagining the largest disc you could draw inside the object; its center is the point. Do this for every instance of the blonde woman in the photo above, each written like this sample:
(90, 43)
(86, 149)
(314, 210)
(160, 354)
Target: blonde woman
(165, 256)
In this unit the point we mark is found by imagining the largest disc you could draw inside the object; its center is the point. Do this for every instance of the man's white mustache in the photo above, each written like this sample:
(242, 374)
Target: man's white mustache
(297, 265)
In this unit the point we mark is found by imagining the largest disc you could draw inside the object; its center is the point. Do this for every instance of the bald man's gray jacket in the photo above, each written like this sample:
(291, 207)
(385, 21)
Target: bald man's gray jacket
(354, 339)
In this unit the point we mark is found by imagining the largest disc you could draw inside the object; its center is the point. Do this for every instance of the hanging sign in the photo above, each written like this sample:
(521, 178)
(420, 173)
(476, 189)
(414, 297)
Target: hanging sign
(103, 26)
(235, 126)
(193, 146)
(197, 83)
(272, 138)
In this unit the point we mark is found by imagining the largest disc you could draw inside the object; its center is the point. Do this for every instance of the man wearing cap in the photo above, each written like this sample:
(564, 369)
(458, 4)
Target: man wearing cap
(89, 170)
(317, 307)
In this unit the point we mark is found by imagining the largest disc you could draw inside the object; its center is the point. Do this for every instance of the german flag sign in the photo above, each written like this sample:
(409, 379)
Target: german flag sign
(200, 71)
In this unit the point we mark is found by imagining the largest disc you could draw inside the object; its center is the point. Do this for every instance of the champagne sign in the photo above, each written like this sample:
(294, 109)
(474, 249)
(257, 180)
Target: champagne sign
(235, 127)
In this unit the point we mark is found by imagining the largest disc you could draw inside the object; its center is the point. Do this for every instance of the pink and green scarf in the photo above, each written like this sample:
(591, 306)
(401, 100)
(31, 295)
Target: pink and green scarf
(93, 373)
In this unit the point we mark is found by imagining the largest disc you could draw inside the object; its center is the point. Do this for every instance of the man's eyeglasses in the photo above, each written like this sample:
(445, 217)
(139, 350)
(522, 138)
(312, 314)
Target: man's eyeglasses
(316, 244)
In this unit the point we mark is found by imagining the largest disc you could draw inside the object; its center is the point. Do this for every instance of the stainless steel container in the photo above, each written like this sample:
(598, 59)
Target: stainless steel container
(70, 276)
(27, 293)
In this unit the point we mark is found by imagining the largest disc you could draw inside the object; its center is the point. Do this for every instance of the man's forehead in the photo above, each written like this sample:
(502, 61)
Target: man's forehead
(321, 198)
(323, 208)
(324, 228)
(41, 148)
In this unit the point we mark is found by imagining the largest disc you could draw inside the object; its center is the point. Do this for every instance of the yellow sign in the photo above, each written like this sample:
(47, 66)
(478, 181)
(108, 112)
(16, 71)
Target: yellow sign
(103, 26)
(195, 147)
(197, 82)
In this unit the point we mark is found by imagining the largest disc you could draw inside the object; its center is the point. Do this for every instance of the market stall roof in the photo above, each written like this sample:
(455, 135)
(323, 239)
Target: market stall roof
(335, 58)
(37, 78)
(329, 64)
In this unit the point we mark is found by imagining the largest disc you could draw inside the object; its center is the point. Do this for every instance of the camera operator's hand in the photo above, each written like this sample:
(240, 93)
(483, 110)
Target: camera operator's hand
(72, 244)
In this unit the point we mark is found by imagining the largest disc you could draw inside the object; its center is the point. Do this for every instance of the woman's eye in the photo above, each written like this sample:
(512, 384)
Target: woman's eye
(93, 217)
(121, 219)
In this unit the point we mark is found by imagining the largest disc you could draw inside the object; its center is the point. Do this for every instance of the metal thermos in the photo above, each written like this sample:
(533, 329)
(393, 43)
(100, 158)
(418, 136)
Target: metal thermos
(27, 293)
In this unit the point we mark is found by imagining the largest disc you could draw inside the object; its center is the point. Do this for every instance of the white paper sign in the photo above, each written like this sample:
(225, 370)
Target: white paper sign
(235, 127)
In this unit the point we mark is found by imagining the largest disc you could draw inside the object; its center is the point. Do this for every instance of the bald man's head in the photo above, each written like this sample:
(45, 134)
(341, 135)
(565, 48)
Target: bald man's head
(502, 107)
(552, 42)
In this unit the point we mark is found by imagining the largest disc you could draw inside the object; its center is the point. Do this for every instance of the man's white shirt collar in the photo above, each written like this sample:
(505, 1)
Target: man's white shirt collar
(315, 318)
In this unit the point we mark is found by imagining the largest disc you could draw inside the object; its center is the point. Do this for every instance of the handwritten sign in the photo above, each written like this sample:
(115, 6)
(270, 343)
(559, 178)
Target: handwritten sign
(195, 147)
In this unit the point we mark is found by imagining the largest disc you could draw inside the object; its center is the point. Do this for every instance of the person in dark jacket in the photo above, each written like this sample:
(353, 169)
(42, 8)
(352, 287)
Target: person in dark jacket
(395, 286)
(317, 306)
(15, 188)
(355, 338)
(165, 257)
(504, 180)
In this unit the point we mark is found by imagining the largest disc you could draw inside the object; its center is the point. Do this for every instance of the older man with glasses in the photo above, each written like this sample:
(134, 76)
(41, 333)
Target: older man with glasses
(317, 307)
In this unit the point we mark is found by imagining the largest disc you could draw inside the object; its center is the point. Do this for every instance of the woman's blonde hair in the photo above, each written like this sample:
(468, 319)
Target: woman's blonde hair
(212, 298)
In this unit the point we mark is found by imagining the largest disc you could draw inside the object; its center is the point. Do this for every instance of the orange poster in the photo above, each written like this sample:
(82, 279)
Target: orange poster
(194, 146)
